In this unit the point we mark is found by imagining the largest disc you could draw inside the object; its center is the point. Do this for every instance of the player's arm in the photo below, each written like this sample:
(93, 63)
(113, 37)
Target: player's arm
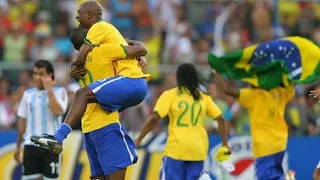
(95, 36)
(222, 128)
(121, 52)
(79, 60)
(214, 112)
(226, 87)
(54, 105)
(161, 110)
(22, 114)
(149, 125)
(21, 131)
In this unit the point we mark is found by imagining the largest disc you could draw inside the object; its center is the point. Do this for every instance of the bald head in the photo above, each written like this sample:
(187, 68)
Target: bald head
(89, 13)
(92, 6)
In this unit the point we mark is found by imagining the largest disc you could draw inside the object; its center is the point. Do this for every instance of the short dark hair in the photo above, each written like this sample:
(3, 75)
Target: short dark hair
(45, 64)
(77, 37)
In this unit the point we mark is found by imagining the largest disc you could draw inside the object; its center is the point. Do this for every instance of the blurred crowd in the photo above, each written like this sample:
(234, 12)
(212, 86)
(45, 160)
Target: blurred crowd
(174, 32)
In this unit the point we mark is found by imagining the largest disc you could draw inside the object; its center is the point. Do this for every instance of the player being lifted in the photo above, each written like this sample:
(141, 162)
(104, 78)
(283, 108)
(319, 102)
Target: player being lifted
(268, 126)
(187, 144)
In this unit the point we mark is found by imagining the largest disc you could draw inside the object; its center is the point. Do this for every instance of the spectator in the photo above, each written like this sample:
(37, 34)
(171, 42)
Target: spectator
(62, 42)
(45, 49)
(6, 112)
(43, 28)
(122, 17)
(142, 16)
(178, 40)
(25, 82)
(15, 44)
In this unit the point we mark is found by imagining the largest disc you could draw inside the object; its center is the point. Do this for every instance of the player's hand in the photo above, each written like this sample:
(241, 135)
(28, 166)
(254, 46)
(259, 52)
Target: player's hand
(143, 64)
(315, 93)
(17, 156)
(78, 72)
(223, 154)
(137, 142)
(47, 82)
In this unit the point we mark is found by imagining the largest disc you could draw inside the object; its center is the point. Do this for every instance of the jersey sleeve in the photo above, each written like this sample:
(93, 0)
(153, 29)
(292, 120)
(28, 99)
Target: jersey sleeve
(163, 104)
(96, 34)
(213, 111)
(23, 107)
(62, 98)
(246, 97)
(114, 51)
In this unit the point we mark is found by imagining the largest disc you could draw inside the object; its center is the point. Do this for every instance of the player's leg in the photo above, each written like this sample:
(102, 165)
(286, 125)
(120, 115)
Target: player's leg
(193, 169)
(270, 167)
(77, 110)
(120, 92)
(316, 172)
(95, 167)
(31, 169)
(116, 150)
(172, 169)
(51, 163)
(118, 175)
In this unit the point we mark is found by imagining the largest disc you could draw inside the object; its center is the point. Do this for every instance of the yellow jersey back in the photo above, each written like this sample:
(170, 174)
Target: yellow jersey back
(266, 112)
(105, 33)
(187, 139)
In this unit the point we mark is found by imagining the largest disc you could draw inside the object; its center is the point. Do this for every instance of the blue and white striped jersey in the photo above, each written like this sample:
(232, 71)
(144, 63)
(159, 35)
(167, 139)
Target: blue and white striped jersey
(34, 108)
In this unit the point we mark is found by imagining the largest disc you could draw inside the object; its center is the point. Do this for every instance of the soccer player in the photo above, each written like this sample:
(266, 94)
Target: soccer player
(40, 111)
(101, 129)
(268, 126)
(187, 144)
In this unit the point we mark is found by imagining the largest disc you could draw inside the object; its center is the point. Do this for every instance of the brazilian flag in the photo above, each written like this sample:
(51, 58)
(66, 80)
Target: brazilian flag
(272, 64)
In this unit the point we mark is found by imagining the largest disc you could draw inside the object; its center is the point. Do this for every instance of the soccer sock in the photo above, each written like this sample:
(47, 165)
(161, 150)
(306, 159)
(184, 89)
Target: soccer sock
(62, 132)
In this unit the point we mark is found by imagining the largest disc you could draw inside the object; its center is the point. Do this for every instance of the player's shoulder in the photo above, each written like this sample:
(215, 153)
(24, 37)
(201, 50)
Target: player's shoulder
(169, 93)
(172, 91)
(30, 91)
(58, 88)
(101, 25)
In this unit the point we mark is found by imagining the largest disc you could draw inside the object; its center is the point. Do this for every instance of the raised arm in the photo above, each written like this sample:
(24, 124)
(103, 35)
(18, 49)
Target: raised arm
(135, 51)
(149, 125)
(226, 87)
(80, 59)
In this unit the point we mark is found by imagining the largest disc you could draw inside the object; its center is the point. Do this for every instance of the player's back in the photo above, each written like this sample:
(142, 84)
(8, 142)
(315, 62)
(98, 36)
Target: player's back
(187, 138)
(105, 33)
(266, 111)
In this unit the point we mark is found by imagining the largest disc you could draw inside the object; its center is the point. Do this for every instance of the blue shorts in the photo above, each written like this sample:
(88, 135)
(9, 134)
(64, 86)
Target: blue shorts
(172, 169)
(119, 93)
(109, 149)
(270, 167)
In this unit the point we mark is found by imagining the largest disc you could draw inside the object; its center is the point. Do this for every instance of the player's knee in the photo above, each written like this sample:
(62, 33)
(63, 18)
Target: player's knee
(101, 177)
(83, 92)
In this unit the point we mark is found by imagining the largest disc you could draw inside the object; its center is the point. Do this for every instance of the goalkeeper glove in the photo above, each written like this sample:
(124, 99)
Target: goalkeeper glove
(223, 154)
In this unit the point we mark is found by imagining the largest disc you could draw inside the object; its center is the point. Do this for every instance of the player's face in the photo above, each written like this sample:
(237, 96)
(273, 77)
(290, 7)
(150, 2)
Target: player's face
(83, 17)
(38, 73)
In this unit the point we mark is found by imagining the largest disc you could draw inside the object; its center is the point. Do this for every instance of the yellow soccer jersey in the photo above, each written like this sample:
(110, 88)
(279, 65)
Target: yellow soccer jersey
(99, 65)
(187, 139)
(266, 111)
(105, 33)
